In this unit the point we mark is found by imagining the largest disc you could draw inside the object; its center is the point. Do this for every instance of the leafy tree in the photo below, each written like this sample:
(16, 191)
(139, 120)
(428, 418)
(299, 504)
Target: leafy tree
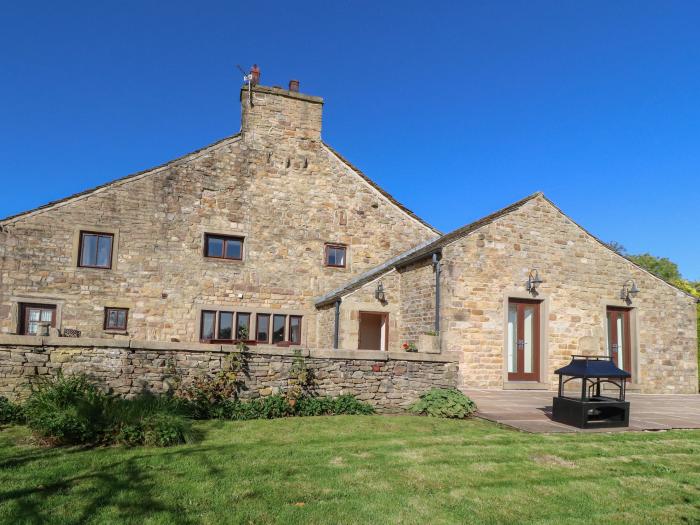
(616, 247)
(660, 266)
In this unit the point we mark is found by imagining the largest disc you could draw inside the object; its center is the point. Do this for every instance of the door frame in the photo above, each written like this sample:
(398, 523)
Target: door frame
(543, 382)
(384, 337)
(632, 341)
(536, 340)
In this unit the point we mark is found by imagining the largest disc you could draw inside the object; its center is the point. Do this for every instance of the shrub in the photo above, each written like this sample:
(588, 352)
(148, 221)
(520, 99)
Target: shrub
(71, 411)
(68, 410)
(10, 412)
(315, 406)
(151, 420)
(349, 404)
(444, 402)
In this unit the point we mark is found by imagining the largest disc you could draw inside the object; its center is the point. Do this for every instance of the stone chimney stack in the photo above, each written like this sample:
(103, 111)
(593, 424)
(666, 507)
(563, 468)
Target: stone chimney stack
(277, 114)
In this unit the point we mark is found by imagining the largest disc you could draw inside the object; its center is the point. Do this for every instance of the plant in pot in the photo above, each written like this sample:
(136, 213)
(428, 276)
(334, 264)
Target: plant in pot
(410, 347)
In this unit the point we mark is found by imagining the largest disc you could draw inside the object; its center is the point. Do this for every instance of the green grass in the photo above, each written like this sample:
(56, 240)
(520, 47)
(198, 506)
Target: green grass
(358, 469)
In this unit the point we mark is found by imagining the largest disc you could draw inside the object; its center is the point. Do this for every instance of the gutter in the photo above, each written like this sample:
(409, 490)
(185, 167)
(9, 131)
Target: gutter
(437, 269)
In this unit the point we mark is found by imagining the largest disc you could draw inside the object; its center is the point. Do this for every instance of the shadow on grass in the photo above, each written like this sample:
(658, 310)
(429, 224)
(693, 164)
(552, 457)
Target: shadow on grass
(125, 490)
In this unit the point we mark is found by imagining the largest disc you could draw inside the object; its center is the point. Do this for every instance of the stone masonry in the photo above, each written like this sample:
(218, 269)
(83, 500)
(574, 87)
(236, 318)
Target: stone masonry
(386, 380)
(275, 183)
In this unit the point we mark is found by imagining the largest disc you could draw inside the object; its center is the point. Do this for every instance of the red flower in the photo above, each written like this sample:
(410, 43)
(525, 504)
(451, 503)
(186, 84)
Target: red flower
(405, 346)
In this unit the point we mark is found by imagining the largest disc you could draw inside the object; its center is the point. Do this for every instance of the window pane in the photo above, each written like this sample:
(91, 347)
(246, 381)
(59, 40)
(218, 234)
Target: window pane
(336, 256)
(278, 322)
(233, 249)
(215, 247)
(295, 329)
(31, 330)
(512, 336)
(104, 251)
(46, 315)
(243, 326)
(88, 257)
(121, 318)
(226, 325)
(34, 314)
(529, 320)
(208, 325)
(112, 319)
(263, 328)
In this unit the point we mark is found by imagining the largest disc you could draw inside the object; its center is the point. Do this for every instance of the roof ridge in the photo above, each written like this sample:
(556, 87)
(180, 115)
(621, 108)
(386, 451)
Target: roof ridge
(127, 178)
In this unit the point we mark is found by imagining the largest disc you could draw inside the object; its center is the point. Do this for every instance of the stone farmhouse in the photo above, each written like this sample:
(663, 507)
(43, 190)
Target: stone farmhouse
(273, 238)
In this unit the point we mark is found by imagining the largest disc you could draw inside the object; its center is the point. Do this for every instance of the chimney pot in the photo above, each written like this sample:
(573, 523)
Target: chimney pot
(294, 85)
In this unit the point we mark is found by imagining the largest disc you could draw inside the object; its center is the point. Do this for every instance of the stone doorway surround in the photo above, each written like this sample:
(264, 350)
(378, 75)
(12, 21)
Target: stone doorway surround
(530, 411)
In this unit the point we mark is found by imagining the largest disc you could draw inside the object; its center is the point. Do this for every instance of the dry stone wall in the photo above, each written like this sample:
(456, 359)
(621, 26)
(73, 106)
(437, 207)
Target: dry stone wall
(388, 381)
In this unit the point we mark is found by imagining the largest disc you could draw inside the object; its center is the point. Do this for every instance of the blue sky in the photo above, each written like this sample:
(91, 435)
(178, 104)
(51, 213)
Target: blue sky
(457, 110)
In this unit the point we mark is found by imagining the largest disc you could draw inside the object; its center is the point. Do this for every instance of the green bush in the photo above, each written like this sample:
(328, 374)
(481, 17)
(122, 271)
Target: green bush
(277, 406)
(67, 410)
(10, 412)
(315, 406)
(350, 405)
(72, 411)
(444, 402)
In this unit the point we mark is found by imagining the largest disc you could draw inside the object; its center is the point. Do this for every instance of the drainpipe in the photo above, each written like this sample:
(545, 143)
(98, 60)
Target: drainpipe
(436, 269)
(336, 327)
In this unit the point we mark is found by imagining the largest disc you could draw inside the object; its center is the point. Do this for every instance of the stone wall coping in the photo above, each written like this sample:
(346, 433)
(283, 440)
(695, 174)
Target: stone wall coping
(136, 344)
(269, 350)
(19, 340)
(447, 357)
(329, 353)
(83, 342)
(141, 344)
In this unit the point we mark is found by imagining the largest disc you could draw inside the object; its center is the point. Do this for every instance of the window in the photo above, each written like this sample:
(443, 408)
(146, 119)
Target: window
(95, 250)
(243, 326)
(223, 247)
(335, 255)
(33, 314)
(208, 325)
(225, 325)
(278, 324)
(295, 329)
(116, 318)
(262, 328)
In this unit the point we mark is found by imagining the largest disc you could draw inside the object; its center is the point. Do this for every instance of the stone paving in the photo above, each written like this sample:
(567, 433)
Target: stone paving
(531, 411)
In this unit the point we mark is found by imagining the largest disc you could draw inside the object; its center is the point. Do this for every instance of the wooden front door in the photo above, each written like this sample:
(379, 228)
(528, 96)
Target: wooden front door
(619, 337)
(523, 340)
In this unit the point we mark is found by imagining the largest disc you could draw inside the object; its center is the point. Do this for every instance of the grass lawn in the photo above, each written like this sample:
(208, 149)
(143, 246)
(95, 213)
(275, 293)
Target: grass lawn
(358, 469)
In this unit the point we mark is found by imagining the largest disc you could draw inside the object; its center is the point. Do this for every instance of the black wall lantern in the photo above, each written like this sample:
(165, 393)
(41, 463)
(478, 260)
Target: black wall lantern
(533, 281)
(629, 290)
(379, 293)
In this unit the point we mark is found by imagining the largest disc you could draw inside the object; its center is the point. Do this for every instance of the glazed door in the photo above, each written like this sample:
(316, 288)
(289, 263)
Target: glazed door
(523, 340)
(618, 335)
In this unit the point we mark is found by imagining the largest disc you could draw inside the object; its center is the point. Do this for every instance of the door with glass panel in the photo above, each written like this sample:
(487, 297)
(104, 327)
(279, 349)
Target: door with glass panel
(618, 337)
(523, 340)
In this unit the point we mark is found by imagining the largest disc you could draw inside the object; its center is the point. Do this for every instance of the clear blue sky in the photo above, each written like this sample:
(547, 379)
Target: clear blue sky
(455, 110)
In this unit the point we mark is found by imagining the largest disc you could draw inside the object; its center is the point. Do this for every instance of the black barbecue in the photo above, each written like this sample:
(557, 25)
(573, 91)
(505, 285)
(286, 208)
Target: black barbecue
(592, 409)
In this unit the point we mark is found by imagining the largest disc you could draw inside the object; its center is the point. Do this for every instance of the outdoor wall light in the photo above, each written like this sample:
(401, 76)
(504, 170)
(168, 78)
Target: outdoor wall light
(629, 290)
(379, 293)
(533, 281)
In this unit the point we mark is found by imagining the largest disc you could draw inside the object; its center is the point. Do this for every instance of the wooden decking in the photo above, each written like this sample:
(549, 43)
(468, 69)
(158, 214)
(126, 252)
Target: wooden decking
(531, 411)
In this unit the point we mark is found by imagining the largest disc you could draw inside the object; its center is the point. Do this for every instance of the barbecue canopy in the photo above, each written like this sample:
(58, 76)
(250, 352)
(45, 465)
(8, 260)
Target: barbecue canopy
(587, 366)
